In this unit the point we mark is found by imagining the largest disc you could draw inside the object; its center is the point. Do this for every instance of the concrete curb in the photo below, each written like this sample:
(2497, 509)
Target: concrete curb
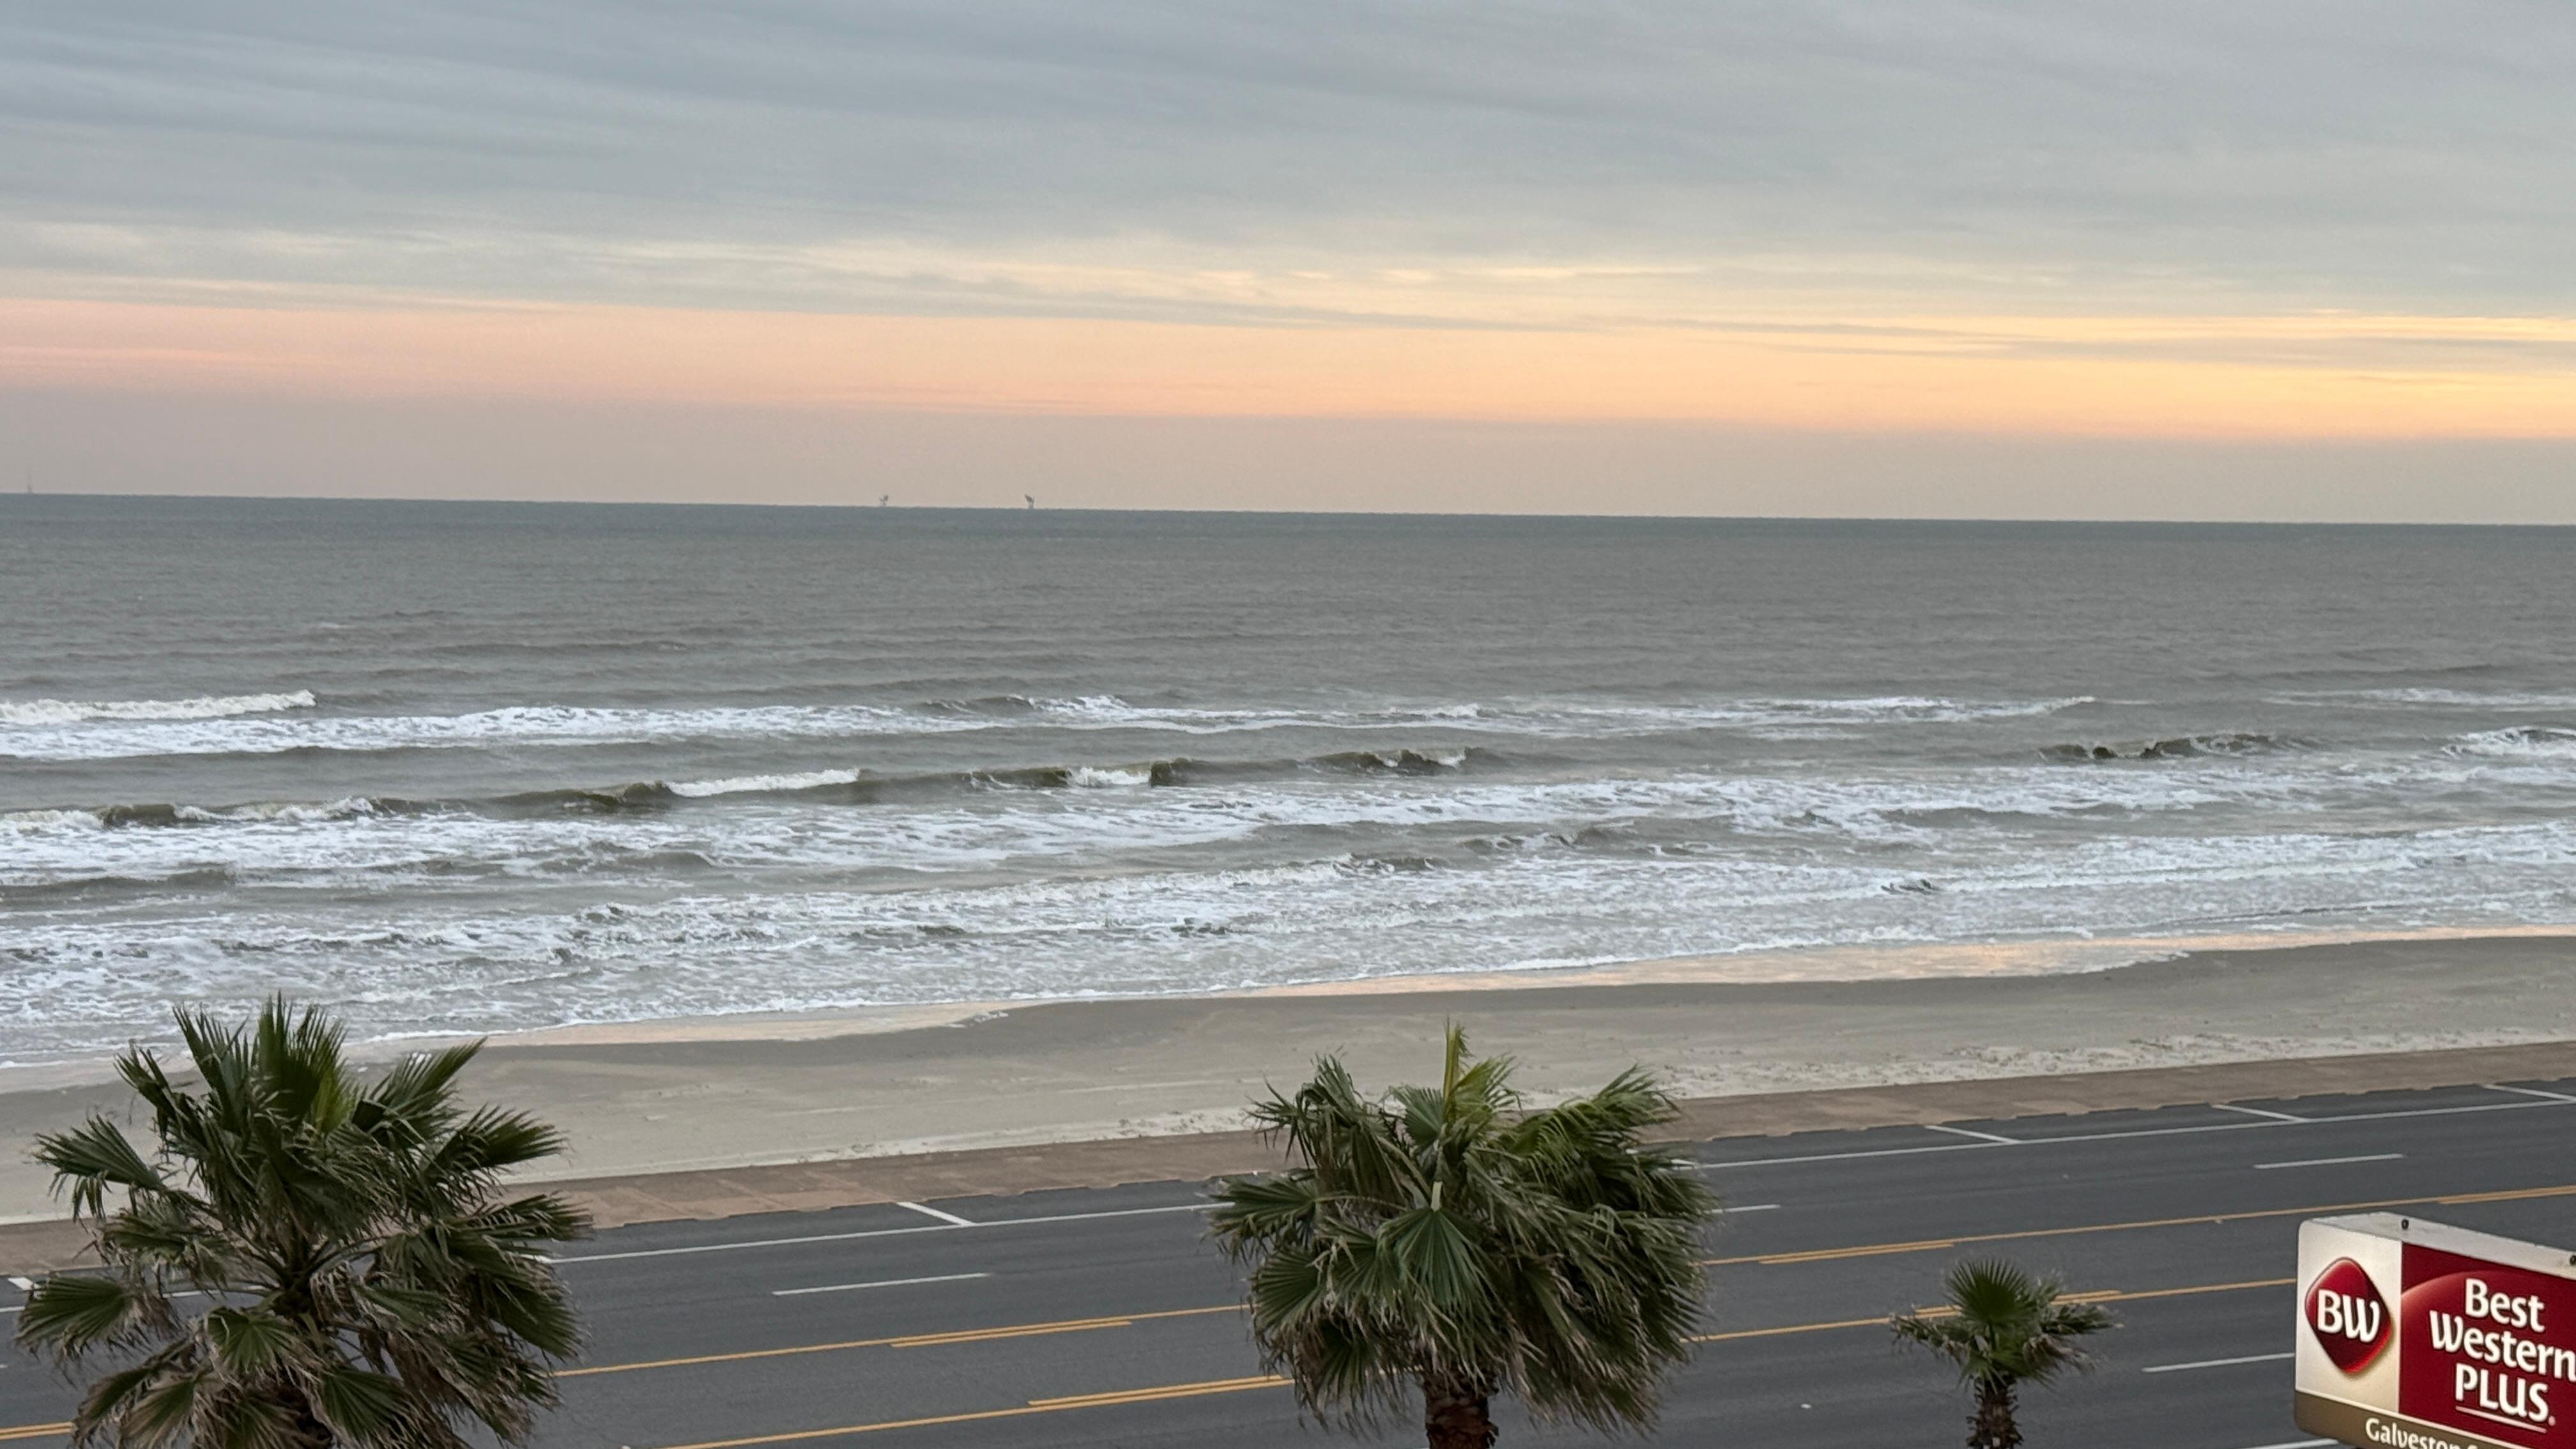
(1001, 1171)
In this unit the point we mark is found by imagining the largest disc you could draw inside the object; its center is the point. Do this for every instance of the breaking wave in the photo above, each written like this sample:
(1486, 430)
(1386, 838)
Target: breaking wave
(267, 724)
(2519, 741)
(854, 786)
(210, 706)
(763, 784)
(2229, 743)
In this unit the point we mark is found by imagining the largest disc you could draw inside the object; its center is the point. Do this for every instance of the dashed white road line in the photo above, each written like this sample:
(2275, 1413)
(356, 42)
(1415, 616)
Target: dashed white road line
(879, 1283)
(2531, 1092)
(1996, 1138)
(949, 1218)
(2330, 1161)
(2260, 1112)
(958, 1226)
(2175, 1368)
(2258, 1122)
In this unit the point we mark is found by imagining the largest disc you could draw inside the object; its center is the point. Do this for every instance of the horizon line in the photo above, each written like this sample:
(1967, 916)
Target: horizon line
(1280, 513)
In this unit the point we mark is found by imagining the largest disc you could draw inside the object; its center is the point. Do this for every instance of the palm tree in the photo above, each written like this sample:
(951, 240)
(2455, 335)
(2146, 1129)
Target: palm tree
(367, 1282)
(2002, 1327)
(1440, 1240)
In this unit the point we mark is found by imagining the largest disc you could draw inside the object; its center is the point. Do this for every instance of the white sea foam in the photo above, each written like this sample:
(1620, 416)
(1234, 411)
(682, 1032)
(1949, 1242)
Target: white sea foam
(252, 724)
(2518, 743)
(1556, 717)
(28, 822)
(2453, 698)
(1192, 928)
(288, 813)
(211, 706)
(758, 784)
(1438, 859)
(533, 725)
(2001, 814)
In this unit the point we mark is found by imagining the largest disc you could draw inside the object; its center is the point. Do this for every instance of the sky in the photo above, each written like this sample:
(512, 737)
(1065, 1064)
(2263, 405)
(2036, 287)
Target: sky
(2293, 259)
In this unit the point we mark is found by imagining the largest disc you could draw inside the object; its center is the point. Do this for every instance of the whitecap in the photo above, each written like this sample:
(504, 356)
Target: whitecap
(290, 813)
(209, 706)
(28, 822)
(2518, 742)
(755, 784)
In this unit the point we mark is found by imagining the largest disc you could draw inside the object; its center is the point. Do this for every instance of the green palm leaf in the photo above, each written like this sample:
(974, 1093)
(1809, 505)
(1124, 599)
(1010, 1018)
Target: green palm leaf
(1440, 1246)
(2003, 1326)
(370, 1284)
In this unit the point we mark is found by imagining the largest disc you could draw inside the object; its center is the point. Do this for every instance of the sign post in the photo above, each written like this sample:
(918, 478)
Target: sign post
(2413, 1335)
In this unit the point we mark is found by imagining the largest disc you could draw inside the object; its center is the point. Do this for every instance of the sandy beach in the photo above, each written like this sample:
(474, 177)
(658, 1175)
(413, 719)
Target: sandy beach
(701, 1095)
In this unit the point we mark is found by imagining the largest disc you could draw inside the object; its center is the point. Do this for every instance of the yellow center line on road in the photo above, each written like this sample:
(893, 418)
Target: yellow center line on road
(2097, 1295)
(912, 1340)
(1033, 1406)
(1162, 1392)
(2131, 1297)
(1926, 1245)
(1176, 1391)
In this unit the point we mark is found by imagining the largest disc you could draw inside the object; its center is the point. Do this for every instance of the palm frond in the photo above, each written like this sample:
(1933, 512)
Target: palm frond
(365, 1271)
(71, 1313)
(1443, 1235)
(92, 1158)
(2003, 1324)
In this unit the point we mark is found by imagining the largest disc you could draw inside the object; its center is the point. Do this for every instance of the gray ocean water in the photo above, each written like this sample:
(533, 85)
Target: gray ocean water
(493, 766)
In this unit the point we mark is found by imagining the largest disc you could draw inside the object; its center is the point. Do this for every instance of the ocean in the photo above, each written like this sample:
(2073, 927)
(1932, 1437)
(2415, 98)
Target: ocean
(477, 766)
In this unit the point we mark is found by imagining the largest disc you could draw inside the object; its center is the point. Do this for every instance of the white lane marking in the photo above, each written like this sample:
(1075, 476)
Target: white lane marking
(2260, 1112)
(1187, 1207)
(895, 1283)
(932, 1212)
(2330, 1161)
(1976, 1146)
(2531, 1092)
(2175, 1368)
(1980, 1136)
(2256, 1125)
(21, 1284)
(1751, 1207)
(1873, 1152)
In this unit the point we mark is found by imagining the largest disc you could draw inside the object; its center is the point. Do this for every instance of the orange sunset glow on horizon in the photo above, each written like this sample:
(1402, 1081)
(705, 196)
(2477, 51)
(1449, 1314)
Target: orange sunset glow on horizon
(2315, 376)
(2318, 229)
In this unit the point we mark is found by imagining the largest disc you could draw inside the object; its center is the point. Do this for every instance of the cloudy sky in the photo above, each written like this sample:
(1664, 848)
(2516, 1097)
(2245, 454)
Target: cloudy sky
(2302, 258)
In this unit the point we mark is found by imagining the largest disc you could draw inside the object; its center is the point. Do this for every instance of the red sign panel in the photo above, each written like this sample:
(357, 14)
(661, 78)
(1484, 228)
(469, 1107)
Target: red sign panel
(2487, 1348)
(2417, 1335)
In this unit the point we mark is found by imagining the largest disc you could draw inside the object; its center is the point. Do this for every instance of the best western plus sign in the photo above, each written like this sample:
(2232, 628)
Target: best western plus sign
(2421, 1336)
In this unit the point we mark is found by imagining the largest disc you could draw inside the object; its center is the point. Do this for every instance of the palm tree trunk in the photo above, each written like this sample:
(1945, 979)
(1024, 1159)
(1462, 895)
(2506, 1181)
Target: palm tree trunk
(1992, 1426)
(1457, 1418)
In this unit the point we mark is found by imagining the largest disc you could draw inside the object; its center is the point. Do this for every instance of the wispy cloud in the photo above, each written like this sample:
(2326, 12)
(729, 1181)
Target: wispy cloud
(2358, 153)
(2304, 218)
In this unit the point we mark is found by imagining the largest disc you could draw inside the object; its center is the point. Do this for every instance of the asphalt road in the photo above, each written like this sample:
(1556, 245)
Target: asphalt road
(1102, 1318)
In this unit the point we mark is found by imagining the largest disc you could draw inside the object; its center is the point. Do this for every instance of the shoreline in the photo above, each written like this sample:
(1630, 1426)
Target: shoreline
(1118, 1069)
(1889, 962)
